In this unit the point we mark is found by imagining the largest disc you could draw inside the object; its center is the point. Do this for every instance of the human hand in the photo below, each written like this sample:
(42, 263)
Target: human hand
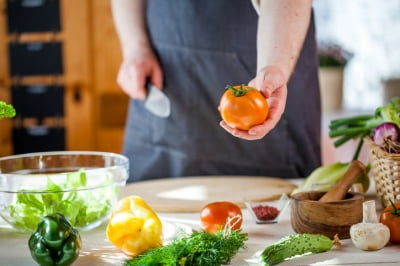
(271, 81)
(138, 68)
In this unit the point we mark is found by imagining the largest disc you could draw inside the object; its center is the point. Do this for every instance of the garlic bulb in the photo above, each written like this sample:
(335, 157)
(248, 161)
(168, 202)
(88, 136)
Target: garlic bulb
(369, 235)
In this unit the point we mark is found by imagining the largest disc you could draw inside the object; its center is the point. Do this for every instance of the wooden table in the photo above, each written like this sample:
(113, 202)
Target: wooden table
(98, 251)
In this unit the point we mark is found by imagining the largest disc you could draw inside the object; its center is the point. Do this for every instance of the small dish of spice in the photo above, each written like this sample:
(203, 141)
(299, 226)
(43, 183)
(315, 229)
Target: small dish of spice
(267, 209)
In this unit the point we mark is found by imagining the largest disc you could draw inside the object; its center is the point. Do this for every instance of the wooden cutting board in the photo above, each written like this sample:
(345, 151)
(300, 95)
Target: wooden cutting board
(190, 194)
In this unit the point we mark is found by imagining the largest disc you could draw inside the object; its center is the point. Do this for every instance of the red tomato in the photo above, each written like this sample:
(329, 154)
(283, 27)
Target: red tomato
(390, 217)
(242, 107)
(215, 215)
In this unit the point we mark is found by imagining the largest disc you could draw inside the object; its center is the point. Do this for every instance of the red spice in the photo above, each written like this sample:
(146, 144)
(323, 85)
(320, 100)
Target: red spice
(265, 212)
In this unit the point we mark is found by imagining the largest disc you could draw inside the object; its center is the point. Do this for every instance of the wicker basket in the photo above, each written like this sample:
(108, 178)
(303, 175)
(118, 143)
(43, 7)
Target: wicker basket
(386, 170)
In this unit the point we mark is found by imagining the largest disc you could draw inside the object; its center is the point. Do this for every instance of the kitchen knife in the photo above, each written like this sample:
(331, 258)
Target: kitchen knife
(157, 102)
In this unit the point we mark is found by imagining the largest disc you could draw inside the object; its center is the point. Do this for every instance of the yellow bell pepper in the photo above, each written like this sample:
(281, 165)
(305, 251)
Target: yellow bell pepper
(134, 227)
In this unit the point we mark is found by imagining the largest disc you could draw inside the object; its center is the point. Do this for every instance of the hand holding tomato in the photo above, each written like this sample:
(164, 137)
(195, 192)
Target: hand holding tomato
(242, 107)
(390, 217)
(271, 81)
(214, 216)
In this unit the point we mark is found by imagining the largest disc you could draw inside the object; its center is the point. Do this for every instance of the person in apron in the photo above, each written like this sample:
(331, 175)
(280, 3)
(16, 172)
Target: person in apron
(201, 47)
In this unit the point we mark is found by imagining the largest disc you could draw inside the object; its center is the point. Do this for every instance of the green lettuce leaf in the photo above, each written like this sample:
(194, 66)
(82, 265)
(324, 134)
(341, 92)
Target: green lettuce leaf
(81, 206)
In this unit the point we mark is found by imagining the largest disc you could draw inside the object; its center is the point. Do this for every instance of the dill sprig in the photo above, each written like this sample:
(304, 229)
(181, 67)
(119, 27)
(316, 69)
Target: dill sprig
(196, 249)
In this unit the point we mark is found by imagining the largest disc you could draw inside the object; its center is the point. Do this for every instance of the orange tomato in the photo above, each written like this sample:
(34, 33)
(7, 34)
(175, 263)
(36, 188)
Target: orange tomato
(214, 216)
(390, 217)
(242, 107)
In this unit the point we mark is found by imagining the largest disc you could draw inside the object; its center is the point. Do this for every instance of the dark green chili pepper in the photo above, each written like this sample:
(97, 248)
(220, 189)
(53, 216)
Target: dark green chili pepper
(55, 241)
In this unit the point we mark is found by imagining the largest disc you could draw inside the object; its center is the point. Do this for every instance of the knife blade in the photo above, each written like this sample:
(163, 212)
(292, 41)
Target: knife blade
(157, 102)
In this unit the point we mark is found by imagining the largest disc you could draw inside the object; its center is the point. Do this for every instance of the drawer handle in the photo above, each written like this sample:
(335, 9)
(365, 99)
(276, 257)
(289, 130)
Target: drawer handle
(77, 95)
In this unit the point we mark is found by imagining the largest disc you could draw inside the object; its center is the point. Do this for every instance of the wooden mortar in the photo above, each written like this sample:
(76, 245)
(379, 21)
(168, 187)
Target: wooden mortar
(339, 191)
(309, 215)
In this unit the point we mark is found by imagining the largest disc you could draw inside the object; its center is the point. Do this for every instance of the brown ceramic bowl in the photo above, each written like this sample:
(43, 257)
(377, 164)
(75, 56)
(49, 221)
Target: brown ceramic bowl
(308, 215)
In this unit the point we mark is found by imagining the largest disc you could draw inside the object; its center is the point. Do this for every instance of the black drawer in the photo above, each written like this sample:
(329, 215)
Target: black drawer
(37, 139)
(33, 16)
(38, 100)
(35, 58)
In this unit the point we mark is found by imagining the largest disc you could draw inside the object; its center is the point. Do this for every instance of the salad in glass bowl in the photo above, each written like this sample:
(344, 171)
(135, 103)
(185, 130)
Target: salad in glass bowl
(81, 185)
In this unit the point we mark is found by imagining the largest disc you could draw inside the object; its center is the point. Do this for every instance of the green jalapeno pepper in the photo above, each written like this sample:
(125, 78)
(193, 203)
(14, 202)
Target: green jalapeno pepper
(55, 241)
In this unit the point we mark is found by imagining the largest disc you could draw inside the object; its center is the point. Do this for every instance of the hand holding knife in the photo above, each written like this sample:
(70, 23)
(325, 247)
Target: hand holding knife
(157, 102)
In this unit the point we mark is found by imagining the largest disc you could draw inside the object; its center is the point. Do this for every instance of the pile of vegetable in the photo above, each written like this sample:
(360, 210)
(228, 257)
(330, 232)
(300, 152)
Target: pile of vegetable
(79, 205)
(382, 126)
(136, 230)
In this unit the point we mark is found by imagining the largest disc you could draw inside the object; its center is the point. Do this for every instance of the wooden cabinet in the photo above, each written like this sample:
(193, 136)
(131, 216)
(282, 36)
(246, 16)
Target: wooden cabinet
(95, 107)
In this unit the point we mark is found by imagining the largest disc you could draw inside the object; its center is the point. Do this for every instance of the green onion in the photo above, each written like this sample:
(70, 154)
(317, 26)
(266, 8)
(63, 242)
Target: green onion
(360, 126)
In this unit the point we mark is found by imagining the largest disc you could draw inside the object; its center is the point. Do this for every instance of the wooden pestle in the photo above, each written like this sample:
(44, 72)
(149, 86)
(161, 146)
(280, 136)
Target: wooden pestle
(338, 192)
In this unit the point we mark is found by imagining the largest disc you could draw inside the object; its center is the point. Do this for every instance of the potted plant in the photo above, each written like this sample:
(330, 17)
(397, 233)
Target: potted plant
(391, 88)
(332, 60)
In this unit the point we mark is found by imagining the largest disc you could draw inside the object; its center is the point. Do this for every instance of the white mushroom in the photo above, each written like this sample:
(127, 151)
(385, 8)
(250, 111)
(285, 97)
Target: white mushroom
(369, 235)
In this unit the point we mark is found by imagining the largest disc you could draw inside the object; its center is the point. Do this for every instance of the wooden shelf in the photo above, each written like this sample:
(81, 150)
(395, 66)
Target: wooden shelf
(91, 58)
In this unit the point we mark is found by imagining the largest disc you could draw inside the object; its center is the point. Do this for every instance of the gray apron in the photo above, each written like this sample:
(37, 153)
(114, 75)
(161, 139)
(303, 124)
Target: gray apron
(204, 46)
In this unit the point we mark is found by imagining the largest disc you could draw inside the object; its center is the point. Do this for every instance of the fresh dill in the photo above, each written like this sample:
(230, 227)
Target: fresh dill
(196, 249)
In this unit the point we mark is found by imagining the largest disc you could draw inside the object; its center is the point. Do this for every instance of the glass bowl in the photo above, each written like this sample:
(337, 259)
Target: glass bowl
(82, 185)
(267, 209)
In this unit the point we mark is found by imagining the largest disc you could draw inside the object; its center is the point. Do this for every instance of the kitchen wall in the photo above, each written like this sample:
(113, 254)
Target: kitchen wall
(370, 30)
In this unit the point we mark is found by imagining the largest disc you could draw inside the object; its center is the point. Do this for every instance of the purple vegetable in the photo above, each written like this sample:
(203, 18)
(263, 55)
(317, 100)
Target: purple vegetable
(387, 136)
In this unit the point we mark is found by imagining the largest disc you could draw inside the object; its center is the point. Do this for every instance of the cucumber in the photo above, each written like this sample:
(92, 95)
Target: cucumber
(295, 245)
